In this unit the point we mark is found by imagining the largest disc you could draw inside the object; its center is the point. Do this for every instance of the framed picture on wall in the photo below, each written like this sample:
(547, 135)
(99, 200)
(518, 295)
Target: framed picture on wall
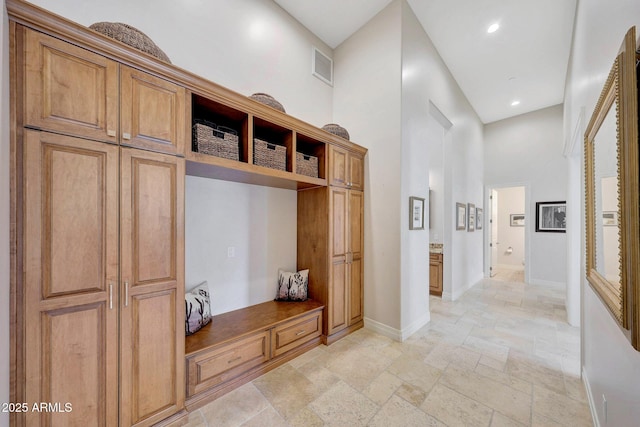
(472, 217)
(416, 213)
(517, 220)
(479, 219)
(551, 217)
(461, 216)
(610, 218)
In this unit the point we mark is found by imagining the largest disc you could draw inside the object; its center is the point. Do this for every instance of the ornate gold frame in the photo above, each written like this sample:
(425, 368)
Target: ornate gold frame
(623, 300)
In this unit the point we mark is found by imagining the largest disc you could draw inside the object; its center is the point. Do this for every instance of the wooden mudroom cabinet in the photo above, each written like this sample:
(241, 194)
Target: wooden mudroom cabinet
(74, 91)
(331, 244)
(346, 168)
(99, 306)
(100, 146)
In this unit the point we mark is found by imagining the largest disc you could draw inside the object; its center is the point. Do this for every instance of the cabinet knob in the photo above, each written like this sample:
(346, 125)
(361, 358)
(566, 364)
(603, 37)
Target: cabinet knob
(126, 135)
(111, 132)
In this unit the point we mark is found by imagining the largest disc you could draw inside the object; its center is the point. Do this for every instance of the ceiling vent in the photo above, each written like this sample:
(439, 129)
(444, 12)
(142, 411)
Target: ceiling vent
(322, 66)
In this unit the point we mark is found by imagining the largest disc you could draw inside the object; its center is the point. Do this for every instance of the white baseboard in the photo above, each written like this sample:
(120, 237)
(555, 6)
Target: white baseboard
(592, 403)
(393, 333)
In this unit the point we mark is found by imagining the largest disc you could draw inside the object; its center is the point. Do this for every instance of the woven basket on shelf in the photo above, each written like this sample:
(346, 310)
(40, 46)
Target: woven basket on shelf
(266, 99)
(336, 130)
(306, 165)
(215, 140)
(269, 155)
(131, 36)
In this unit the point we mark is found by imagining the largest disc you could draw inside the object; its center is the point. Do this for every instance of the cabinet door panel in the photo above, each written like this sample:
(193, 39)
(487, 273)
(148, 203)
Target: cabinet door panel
(356, 223)
(338, 173)
(149, 352)
(356, 172)
(69, 89)
(152, 112)
(339, 227)
(71, 345)
(356, 303)
(152, 271)
(337, 308)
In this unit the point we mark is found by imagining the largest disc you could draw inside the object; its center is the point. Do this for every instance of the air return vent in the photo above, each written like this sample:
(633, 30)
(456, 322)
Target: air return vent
(322, 66)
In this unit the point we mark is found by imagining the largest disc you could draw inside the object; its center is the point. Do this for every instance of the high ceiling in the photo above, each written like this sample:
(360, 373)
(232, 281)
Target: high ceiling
(525, 60)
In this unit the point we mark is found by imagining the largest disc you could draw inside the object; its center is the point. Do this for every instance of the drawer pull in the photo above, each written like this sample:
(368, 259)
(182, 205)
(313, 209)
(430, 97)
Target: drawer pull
(235, 359)
(300, 333)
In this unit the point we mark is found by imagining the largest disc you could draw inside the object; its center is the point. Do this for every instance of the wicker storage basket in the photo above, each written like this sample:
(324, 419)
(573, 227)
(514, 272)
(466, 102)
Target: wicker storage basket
(336, 130)
(269, 155)
(266, 99)
(215, 140)
(132, 36)
(306, 165)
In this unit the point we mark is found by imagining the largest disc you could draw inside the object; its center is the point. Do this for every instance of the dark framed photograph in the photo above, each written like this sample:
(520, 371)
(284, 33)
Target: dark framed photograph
(472, 217)
(479, 219)
(416, 213)
(551, 217)
(516, 220)
(461, 216)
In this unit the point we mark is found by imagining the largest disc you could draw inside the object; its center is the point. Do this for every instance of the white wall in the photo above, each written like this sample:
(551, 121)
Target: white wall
(245, 45)
(367, 102)
(528, 149)
(257, 223)
(611, 367)
(435, 142)
(386, 74)
(511, 200)
(4, 215)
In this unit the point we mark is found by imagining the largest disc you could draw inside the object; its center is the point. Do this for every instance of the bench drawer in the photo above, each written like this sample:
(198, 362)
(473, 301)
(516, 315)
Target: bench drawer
(295, 333)
(221, 364)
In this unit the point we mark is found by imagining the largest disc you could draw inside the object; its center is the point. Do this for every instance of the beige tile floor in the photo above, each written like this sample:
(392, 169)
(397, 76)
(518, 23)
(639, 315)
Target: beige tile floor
(502, 355)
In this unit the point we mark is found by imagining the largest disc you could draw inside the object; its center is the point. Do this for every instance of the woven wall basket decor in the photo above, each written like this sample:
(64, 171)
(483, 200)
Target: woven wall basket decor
(266, 99)
(131, 36)
(336, 130)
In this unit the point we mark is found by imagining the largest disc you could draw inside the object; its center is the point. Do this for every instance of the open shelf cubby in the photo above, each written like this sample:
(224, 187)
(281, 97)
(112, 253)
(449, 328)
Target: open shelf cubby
(274, 135)
(208, 111)
(309, 146)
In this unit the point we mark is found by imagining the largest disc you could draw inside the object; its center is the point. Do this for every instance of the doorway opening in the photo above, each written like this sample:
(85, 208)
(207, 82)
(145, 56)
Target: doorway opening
(507, 236)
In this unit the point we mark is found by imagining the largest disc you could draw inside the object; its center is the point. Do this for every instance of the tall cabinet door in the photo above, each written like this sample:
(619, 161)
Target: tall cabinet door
(69, 89)
(151, 286)
(355, 257)
(338, 246)
(70, 273)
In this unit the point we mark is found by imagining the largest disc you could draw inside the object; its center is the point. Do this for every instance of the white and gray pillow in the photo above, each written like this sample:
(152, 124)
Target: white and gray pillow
(292, 286)
(198, 308)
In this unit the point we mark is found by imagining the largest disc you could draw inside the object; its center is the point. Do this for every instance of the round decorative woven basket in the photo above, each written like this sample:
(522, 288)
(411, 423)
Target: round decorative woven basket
(131, 36)
(336, 130)
(266, 99)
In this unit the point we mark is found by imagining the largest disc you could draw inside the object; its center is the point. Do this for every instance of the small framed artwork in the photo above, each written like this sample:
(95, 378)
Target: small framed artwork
(461, 216)
(472, 217)
(517, 220)
(479, 219)
(610, 218)
(551, 217)
(416, 213)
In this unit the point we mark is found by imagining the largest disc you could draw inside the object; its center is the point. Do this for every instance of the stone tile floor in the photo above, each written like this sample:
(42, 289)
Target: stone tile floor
(502, 355)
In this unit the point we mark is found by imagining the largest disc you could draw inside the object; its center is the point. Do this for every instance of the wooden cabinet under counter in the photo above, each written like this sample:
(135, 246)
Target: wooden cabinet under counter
(435, 274)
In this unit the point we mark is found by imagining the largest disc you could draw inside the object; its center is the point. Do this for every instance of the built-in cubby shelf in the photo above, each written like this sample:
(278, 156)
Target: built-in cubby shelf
(249, 128)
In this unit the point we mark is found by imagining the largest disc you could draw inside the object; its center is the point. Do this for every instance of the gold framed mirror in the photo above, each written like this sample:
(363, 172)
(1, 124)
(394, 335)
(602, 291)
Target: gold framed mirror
(612, 184)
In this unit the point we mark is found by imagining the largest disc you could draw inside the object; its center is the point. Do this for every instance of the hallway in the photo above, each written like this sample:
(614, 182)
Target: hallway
(502, 355)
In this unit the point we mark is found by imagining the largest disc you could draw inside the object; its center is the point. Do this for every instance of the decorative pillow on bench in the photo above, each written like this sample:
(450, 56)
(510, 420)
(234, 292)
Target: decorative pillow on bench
(292, 286)
(198, 308)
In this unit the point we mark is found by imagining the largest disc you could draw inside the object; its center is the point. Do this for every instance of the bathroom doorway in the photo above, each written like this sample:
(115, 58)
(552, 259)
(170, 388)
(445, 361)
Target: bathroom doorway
(508, 233)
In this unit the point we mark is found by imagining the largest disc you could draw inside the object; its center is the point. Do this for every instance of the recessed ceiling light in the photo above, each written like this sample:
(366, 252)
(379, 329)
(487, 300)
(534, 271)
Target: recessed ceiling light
(493, 28)
(514, 103)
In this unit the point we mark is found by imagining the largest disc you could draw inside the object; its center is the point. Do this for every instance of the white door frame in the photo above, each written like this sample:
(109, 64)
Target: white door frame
(529, 223)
